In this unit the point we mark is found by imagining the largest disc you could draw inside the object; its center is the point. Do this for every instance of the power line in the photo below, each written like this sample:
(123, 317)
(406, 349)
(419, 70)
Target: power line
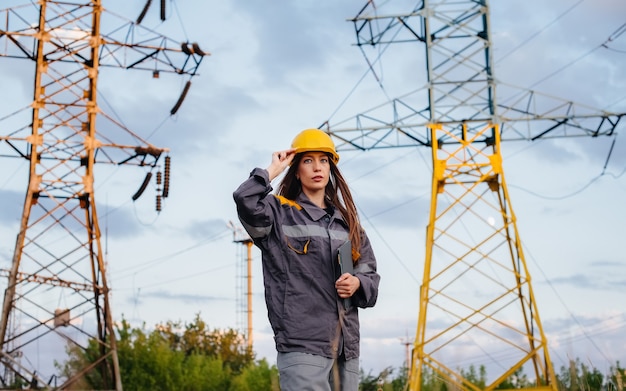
(390, 248)
(561, 69)
(584, 187)
(557, 198)
(187, 277)
(613, 35)
(620, 30)
(569, 195)
(180, 20)
(533, 36)
(168, 257)
(367, 71)
(571, 314)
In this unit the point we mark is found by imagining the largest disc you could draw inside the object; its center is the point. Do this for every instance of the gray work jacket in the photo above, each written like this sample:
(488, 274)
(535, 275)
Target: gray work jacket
(299, 243)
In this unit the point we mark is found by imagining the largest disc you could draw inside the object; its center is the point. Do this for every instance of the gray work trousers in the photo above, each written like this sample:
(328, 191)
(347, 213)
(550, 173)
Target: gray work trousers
(309, 372)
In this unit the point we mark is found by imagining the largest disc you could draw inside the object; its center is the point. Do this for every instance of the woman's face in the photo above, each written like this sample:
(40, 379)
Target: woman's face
(314, 171)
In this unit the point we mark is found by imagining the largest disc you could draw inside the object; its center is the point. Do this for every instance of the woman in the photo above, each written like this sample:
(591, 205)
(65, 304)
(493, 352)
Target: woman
(299, 231)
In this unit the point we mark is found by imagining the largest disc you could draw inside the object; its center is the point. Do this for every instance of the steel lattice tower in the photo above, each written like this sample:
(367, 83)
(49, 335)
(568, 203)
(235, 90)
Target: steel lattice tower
(58, 251)
(476, 297)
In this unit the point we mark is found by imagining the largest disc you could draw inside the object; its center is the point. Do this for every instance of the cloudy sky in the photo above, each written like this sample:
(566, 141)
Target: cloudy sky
(279, 67)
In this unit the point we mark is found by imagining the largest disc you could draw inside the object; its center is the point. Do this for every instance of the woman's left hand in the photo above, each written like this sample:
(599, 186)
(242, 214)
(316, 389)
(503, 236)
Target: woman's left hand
(346, 285)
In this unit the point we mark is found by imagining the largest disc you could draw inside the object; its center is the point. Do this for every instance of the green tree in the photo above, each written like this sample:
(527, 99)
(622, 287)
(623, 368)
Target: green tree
(616, 378)
(431, 381)
(516, 381)
(257, 377)
(578, 376)
(592, 379)
(368, 382)
(170, 357)
(227, 345)
(479, 379)
(399, 382)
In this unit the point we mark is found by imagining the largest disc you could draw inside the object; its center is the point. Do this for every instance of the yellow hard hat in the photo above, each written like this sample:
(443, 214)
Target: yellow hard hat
(315, 140)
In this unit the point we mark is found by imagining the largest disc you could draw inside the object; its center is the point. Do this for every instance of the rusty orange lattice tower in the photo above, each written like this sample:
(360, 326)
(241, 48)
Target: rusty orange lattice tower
(58, 250)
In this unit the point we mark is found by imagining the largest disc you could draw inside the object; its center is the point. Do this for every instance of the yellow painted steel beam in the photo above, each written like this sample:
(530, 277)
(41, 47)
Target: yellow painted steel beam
(476, 300)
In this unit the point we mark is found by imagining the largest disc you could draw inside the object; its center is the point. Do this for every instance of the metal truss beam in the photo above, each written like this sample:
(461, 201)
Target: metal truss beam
(57, 291)
(476, 300)
(460, 87)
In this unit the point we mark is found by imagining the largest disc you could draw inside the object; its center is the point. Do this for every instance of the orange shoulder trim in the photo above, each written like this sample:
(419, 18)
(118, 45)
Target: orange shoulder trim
(285, 201)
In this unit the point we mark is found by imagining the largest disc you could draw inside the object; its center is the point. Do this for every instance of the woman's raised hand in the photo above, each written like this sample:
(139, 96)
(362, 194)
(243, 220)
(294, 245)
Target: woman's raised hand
(280, 161)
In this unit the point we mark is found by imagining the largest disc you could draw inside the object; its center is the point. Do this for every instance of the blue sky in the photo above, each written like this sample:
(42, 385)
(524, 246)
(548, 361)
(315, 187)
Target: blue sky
(276, 68)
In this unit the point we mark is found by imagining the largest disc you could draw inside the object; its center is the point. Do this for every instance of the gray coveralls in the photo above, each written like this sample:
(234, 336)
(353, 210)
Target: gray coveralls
(299, 243)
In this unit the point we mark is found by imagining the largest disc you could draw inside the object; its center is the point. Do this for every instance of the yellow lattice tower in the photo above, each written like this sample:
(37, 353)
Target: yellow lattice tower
(476, 304)
(476, 291)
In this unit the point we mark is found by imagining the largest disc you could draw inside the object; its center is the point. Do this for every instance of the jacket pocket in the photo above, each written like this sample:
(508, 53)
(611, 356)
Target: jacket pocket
(298, 245)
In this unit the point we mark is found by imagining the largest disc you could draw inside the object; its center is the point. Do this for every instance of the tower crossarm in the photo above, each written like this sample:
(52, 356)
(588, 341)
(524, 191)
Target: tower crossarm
(460, 86)
(49, 280)
(128, 45)
(108, 151)
(373, 129)
(69, 52)
(373, 29)
(531, 115)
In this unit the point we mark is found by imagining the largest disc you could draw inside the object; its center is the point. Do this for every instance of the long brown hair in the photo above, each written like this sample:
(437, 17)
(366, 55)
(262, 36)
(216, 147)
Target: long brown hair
(337, 194)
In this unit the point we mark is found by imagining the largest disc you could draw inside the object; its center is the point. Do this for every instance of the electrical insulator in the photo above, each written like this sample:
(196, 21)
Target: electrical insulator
(181, 98)
(159, 178)
(158, 202)
(142, 188)
(166, 182)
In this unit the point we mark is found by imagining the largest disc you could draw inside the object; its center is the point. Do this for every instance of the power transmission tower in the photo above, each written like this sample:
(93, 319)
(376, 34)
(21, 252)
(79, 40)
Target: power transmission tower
(245, 266)
(58, 251)
(476, 298)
